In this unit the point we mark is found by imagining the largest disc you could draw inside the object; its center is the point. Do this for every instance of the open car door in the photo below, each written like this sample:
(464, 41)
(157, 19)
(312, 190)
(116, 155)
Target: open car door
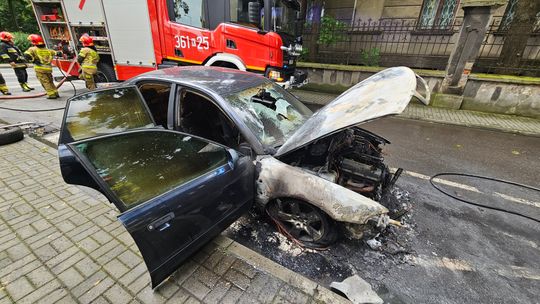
(175, 191)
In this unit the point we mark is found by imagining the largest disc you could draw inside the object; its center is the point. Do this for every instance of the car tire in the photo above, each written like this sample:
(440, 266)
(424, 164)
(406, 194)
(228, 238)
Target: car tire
(10, 135)
(105, 73)
(303, 222)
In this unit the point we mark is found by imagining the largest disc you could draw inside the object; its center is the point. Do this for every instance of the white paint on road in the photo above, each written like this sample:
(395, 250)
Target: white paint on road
(472, 189)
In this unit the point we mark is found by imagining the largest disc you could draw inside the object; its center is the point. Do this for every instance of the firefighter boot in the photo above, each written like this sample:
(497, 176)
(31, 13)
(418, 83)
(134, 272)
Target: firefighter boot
(28, 87)
(25, 87)
(4, 89)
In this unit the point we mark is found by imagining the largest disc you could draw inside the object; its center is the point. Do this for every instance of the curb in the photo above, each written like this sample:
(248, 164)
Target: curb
(320, 293)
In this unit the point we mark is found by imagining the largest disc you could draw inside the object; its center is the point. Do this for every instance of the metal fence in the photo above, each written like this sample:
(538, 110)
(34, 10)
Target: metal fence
(510, 49)
(385, 42)
(391, 42)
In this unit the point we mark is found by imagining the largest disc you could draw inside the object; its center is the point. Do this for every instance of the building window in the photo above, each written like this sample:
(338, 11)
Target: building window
(437, 14)
(510, 14)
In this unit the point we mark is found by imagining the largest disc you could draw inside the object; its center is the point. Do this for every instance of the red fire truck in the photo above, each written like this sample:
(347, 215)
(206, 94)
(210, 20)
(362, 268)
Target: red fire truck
(136, 36)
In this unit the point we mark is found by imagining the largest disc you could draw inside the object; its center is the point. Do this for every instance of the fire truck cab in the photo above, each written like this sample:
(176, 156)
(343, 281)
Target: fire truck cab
(136, 36)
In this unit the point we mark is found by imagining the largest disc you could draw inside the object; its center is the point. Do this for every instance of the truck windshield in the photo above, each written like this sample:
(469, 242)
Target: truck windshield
(284, 17)
(270, 112)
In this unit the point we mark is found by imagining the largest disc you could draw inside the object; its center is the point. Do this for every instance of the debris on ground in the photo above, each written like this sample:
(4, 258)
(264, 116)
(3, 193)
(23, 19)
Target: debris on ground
(357, 290)
(374, 244)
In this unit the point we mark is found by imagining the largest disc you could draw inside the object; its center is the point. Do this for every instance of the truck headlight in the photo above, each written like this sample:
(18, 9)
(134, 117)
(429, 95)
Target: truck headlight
(275, 75)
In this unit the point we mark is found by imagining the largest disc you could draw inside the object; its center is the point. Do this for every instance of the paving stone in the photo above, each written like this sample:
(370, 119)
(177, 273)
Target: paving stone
(180, 296)
(237, 278)
(17, 251)
(116, 268)
(217, 292)
(232, 295)
(133, 274)
(130, 259)
(196, 287)
(45, 252)
(41, 292)
(140, 283)
(96, 290)
(293, 295)
(87, 267)
(19, 288)
(71, 277)
(40, 276)
(205, 276)
(245, 268)
(148, 296)
(118, 295)
(224, 265)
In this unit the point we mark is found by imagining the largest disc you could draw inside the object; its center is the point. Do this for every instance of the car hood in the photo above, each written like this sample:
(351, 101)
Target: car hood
(385, 93)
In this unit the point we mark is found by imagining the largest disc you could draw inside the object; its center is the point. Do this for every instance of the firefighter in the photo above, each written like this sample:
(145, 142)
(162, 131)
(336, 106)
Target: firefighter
(3, 87)
(42, 58)
(88, 59)
(9, 53)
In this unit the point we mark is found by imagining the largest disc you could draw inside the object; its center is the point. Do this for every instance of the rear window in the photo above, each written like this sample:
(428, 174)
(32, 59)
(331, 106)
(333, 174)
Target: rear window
(106, 112)
(139, 166)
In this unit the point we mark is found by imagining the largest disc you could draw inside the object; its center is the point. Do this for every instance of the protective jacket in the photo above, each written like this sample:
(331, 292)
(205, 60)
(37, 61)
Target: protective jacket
(41, 58)
(88, 59)
(10, 53)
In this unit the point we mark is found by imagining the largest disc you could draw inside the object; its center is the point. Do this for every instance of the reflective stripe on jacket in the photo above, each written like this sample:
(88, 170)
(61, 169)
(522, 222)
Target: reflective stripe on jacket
(41, 58)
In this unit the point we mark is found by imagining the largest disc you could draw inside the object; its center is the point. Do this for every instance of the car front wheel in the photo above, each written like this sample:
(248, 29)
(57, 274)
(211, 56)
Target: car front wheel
(303, 222)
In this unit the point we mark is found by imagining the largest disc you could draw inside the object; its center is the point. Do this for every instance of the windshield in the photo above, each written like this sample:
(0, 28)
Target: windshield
(270, 112)
(283, 18)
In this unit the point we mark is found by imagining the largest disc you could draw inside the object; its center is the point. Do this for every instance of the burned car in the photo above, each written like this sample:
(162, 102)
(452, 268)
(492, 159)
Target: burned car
(183, 152)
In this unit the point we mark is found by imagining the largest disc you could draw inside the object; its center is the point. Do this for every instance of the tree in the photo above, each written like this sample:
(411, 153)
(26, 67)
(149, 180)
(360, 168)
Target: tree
(519, 31)
(17, 16)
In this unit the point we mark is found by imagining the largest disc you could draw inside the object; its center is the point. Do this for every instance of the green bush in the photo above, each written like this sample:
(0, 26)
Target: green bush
(304, 54)
(370, 57)
(332, 31)
(20, 40)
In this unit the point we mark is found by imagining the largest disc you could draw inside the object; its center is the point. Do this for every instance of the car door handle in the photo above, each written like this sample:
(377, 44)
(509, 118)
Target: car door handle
(162, 223)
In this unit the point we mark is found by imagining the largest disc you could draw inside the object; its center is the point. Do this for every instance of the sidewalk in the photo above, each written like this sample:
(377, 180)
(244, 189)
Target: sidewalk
(63, 244)
(490, 121)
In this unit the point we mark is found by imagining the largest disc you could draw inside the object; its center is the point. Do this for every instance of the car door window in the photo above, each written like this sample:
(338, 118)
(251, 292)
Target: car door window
(104, 112)
(156, 95)
(139, 166)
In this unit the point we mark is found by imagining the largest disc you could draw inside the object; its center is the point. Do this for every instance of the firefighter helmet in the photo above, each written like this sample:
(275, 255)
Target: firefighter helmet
(86, 40)
(36, 39)
(6, 36)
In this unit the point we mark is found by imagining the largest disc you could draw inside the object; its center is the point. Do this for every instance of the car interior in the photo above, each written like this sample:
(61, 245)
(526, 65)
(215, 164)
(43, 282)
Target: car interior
(199, 116)
(156, 96)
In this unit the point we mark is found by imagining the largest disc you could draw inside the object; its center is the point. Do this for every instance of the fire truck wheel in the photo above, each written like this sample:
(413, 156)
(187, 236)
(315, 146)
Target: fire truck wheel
(105, 73)
(10, 135)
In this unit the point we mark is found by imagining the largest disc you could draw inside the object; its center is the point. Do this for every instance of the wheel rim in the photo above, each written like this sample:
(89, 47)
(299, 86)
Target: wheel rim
(301, 220)
(101, 77)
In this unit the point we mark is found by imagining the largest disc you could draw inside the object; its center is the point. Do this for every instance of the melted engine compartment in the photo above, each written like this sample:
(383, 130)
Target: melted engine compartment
(352, 158)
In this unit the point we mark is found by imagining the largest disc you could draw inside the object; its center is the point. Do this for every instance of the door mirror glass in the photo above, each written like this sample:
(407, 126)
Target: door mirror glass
(104, 112)
(141, 165)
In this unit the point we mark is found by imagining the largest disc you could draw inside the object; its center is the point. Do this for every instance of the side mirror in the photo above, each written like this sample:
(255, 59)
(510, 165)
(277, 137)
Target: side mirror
(254, 12)
(245, 149)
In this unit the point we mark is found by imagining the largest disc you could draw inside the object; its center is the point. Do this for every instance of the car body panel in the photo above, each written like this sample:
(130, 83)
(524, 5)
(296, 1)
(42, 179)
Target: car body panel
(385, 93)
(280, 180)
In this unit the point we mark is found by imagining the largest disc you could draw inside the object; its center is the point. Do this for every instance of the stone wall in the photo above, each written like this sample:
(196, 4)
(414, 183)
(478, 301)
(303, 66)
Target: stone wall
(487, 93)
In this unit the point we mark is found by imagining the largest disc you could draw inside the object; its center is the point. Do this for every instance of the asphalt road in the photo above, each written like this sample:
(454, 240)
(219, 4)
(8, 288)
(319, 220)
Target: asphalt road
(452, 252)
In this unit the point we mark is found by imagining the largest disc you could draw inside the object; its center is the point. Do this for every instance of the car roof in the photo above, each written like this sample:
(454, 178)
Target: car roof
(222, 81)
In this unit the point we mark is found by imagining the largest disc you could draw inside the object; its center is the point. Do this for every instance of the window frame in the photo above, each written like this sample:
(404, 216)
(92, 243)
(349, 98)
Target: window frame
(436, 18)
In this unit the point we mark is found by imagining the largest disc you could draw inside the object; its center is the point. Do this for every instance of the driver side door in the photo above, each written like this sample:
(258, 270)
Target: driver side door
(175, 191)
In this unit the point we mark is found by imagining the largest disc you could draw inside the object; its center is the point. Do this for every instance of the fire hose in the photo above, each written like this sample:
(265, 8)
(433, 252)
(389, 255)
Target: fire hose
(41, 94)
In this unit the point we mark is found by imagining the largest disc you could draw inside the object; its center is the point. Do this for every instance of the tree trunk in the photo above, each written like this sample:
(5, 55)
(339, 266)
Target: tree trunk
(517, 35)
(13, 14)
